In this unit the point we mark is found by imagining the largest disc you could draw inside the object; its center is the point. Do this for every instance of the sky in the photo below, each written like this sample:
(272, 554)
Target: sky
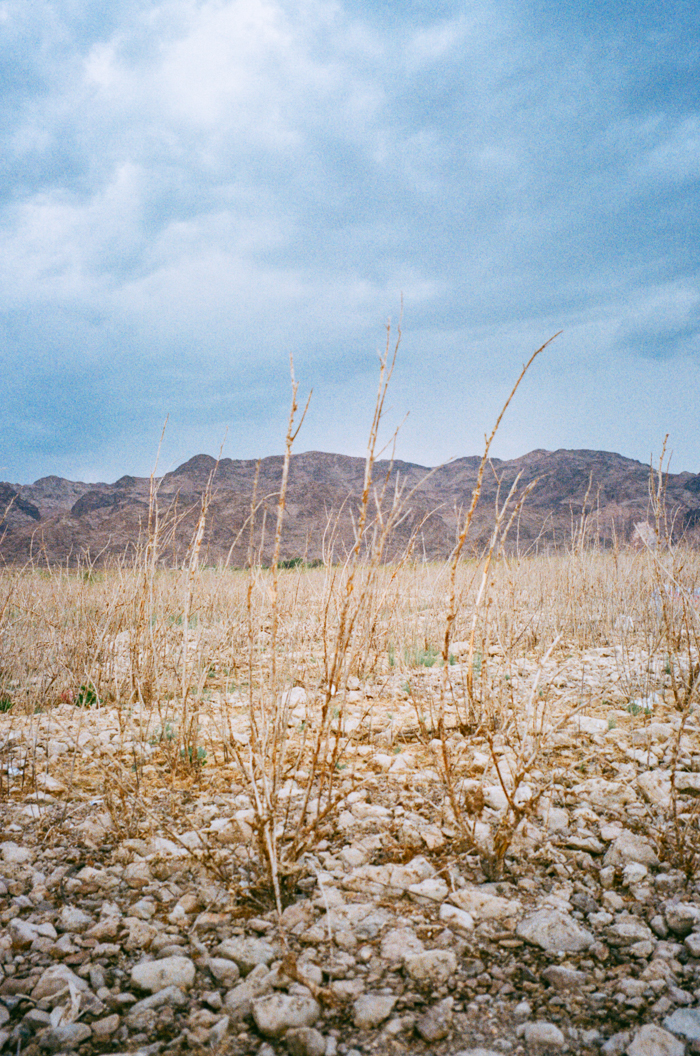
(193, 191)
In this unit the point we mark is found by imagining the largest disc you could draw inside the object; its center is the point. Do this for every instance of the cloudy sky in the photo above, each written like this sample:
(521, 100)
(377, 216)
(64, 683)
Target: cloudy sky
(194, 189)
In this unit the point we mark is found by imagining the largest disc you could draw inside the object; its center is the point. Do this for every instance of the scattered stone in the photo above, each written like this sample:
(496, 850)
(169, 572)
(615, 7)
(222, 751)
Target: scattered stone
(482, 905)
(277, 1013)
(629, 847)
(562, 978)
(434, 1025)
(651, 1040)
(457, 919)
(372, 1009)
(431, 968)
(64, 1038)
(541, 1036)
(246, 953)
(686, 1022)
(399, 943)
(157, 975)
(224, 971)
(554, 931)
(305, 1041)
(682, 917)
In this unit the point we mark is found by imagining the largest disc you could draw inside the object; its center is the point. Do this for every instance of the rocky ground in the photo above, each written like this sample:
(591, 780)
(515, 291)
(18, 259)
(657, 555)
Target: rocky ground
(131, 920)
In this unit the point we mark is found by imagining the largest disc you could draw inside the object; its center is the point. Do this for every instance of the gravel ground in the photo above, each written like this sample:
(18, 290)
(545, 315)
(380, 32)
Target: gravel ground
(134, 921)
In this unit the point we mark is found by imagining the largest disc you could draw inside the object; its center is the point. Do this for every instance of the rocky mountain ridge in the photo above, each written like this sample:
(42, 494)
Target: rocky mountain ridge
(63, 520)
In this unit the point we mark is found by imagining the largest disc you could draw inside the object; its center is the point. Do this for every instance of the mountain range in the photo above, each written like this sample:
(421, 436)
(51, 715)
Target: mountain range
(56, 520)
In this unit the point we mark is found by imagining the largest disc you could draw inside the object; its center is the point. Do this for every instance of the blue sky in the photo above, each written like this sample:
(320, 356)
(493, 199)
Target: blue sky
(194, 190)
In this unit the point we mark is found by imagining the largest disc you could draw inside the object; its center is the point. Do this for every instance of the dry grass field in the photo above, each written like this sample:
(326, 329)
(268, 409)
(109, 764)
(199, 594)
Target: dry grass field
(416, 796)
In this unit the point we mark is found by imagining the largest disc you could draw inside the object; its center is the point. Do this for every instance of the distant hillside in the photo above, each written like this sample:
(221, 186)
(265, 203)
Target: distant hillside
(61, 520)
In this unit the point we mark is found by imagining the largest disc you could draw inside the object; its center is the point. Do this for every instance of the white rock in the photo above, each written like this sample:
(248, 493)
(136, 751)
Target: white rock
(633, 873)
(56, 981)
(170, 971)
(482, 905)
(247, 953)
(389, 880)
(74, 921)
(610, 795)
(429, 891)
(628, 847)
(433, 967)
(655, 786)
(13, 854)
(399, 943)
(457, 919)
(277, 1013)
(681, 917)
(651, 1040)
(627, 932)
(372, 1009)
(686, 1022)
(224, 971)
(239, 1000)
(64, 1038)
(542, 1035)
(554, 931)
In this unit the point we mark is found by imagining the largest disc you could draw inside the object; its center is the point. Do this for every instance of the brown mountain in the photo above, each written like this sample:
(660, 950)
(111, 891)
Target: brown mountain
(59, 520)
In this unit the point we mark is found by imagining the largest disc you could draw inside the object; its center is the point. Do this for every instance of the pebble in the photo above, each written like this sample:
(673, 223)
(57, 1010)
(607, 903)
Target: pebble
(64, 1038)
(434, 1025)
(431, 968)
(554, 931)
(276, 1013)
(651, 1040)
(686, 1022)
(305, 1041)
(541, 1036)
(370, 1010)
(157, 975)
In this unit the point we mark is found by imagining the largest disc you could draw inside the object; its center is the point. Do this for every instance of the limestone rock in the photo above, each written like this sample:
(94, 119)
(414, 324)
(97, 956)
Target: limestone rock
(224, 971)
(305, 1041)
(457, 919)
(277, 1013)
(399, 943)
(483, 905)
(681, 917)
(562, 978)
(372, 1009)
(55, 982)
(541, 1036)
(686, 1022)
(434, 1025)
(246, 953)
(628, 847)
(239, 1001)
(170, 971)
(651, 1040)
(431, 968)
(64, 1038)
(554, 931)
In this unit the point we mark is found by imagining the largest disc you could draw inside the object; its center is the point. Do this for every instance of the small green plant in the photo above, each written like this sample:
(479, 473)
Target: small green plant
(86, 697)
(612, 723)
(392, 655)
(5, 703)
(424, 657)
(166, 732)
(194, 756)
(637, 709)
